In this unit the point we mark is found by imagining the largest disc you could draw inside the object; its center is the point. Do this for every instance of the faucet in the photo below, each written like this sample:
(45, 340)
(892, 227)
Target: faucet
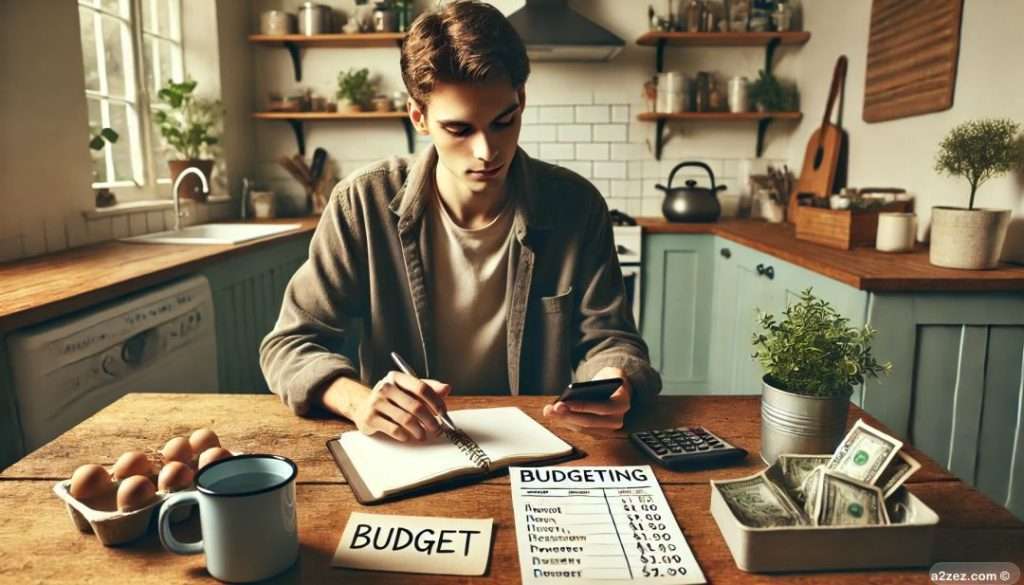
(178, 213)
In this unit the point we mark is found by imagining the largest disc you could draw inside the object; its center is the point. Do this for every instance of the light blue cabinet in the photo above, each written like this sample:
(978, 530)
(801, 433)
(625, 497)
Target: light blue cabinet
(677, 283)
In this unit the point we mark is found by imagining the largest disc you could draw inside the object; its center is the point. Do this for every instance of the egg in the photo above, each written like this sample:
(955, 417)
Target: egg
(177, 449)
(90, 483)
(203, 439)
(135, 493)
(175, 476)
(213, 454)
(132, 463)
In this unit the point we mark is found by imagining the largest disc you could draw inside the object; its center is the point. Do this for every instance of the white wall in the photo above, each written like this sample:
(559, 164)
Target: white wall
(902, 152)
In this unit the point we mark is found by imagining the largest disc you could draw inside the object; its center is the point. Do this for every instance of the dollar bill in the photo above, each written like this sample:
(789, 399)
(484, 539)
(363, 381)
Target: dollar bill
(811, 487)
(864, 453)
(759, 503)
(793, 470)
(901, 468)
(842, 501)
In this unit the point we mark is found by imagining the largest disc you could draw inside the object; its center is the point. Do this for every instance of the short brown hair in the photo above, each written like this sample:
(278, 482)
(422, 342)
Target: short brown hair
(465, 41)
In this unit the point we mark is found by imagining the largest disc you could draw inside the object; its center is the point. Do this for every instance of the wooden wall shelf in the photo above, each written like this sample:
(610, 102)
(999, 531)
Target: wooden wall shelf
(295, 43)
(763, 119)
(722, 39)
(297, 120)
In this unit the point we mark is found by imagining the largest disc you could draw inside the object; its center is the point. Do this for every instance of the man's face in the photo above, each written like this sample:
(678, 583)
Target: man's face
(475, 128)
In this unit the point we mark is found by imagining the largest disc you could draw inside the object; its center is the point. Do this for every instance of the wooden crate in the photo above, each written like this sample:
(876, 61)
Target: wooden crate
(842, 228)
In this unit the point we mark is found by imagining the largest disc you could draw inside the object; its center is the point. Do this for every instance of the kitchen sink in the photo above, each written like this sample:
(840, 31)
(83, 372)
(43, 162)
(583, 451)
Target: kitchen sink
(215, 233)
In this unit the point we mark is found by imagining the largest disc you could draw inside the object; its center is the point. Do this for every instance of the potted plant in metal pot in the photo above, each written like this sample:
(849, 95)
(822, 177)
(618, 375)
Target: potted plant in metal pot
(189, 126)
(813, 359)
(972, 238)
(355, 90)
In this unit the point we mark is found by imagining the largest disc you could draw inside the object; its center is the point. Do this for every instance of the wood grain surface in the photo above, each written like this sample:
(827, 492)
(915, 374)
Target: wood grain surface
(37, 289)
(913, 48)
(259, 423)
(38, 543)
(862, 268)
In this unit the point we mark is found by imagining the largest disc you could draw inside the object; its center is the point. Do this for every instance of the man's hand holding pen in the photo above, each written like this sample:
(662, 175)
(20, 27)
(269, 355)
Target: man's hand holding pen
(403, 407)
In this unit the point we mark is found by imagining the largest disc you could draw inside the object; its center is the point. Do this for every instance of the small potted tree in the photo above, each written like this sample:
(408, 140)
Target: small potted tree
(768, 94)
(189, 126)
(813, 359)
(972, 238)
(355, 90)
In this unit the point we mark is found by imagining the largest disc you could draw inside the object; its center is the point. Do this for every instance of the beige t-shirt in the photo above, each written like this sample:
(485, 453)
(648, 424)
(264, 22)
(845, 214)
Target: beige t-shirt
(470, 297)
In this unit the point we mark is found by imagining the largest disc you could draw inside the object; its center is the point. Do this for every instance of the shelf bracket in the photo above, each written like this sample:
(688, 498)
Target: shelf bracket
(659, 55)
(659, 137)
(762, 128)
(296, 52)
(769, 54)
(410, 134)
(300, 137)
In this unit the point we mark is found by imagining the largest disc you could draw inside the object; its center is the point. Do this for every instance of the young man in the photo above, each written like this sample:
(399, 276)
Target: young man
(490, 272)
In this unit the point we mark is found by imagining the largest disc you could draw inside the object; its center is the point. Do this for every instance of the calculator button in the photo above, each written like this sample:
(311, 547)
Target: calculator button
(703, 448)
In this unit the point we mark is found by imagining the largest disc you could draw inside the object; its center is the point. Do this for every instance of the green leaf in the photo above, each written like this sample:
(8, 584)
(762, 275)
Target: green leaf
(110, 134)
(96, 143)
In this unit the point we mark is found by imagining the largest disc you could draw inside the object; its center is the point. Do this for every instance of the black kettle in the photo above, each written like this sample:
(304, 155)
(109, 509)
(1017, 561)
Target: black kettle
(691, 203)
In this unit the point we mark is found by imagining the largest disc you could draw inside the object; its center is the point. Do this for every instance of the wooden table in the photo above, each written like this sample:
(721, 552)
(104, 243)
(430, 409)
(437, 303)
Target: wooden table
(39, 544)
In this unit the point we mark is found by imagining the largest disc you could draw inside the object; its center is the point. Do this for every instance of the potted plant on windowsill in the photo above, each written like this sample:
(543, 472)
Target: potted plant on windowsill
(355, 90)
(972, 238)
(813, 359)
(768, 94)
(189, 126)
(98, 140)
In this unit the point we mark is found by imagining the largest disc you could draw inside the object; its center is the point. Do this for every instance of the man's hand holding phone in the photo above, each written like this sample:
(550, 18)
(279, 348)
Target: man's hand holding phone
(595, 414)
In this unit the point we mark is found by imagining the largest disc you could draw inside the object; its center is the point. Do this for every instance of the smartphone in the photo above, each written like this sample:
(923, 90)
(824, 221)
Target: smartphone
(592, 391)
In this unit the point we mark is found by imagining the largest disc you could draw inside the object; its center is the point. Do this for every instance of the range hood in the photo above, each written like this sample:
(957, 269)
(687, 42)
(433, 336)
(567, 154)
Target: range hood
(554, 32)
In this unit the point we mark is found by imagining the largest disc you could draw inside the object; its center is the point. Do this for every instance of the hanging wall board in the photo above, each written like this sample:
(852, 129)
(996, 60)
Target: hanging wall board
(912, 53)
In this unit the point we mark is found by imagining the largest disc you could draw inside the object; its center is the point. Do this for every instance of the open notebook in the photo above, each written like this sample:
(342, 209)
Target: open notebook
(490, 439)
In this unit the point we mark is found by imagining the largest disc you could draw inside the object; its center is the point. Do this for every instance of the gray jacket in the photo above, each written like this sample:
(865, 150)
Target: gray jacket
(365, 280)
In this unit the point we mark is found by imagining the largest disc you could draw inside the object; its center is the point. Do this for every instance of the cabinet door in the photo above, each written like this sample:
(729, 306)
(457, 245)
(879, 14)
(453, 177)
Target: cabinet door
(677, 283)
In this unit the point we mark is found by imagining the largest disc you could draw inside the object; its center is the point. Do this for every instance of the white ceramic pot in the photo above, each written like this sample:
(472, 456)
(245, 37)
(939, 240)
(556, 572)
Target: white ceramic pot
(970, 239)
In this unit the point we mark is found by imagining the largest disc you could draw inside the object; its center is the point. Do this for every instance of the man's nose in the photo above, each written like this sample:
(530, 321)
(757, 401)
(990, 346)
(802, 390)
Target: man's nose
(483, 147)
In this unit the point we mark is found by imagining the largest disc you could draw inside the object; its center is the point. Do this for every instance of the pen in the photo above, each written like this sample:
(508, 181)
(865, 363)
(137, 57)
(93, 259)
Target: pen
(405, 367)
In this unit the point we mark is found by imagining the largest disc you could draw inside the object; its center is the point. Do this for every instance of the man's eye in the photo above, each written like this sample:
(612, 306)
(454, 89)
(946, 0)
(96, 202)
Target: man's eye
(458, 131)
(504, 123)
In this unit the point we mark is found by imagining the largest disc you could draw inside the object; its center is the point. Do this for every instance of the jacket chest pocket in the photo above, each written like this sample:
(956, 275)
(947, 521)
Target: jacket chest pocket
(556, 339)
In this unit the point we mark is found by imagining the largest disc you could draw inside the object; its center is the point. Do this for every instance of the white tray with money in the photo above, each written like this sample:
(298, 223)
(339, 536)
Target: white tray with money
(846, 510)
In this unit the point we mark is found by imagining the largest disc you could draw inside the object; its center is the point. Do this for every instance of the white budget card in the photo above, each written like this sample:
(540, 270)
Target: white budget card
(598, 524)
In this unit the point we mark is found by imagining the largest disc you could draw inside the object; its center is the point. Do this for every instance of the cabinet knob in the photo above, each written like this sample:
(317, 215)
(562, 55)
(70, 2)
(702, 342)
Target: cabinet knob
(726, 253)
(760, 269)
(769, 272)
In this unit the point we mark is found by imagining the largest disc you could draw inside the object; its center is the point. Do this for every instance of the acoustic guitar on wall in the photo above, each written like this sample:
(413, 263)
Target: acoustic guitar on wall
(826, 154)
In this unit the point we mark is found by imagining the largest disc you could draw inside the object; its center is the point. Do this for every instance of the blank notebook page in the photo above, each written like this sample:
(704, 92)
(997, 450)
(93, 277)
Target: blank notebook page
(386, 465)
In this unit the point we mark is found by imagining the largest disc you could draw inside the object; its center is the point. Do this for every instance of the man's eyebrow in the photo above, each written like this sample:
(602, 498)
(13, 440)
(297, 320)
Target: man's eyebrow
(504, 113)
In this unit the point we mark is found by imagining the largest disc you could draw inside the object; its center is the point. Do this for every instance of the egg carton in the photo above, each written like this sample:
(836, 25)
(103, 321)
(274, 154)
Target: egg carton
(115, 527)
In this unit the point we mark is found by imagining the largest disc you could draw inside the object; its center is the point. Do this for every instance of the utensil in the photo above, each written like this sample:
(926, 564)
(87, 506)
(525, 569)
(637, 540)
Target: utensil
(317, 168)
(691, 203)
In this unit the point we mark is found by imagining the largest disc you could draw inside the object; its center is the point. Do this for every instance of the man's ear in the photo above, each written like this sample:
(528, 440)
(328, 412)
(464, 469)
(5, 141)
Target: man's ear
(521, 92)
(418, 116)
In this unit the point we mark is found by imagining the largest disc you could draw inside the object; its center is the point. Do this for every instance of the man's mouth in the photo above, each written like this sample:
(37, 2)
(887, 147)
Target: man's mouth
(486, 173)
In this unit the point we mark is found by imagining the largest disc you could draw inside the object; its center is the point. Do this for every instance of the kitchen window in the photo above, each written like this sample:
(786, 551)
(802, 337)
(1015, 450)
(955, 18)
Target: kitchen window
(130, 48)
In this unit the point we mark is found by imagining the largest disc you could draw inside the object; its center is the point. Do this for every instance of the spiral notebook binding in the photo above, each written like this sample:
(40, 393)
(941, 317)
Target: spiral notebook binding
(468, 446)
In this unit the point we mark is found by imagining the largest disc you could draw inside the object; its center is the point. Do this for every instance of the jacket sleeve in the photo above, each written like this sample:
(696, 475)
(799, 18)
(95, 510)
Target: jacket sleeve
(322, 302)
(608, 336)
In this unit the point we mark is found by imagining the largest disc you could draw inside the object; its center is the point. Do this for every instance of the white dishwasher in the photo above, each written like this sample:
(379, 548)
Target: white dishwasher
(160, 340)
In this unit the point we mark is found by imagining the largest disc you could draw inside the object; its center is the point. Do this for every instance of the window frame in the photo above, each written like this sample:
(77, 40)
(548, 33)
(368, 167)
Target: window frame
(137, 37)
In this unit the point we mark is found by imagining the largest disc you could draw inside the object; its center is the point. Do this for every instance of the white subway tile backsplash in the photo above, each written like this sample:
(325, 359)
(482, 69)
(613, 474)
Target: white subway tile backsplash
(610, 170)
(538, 133)
(529, 115)
(602, 186)
(592, 114)
(629, 152)
(635, 169)
(555, 151)
(610, 133)
(581, 168)
(652, 170)
(620, 114)
(574, 133)
(616, 203)
(634, 207)
(620, 188)
(556, 115)
(585, 151)
(651, 207)
(531, 148)
(636, 189)
(137, 223)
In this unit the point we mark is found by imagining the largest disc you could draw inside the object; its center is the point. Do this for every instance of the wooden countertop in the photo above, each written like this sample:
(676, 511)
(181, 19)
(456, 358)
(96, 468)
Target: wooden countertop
(40, 288)
(40, 544)
(862, 268)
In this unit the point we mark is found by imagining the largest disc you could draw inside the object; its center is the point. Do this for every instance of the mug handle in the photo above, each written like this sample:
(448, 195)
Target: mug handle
(166, 538)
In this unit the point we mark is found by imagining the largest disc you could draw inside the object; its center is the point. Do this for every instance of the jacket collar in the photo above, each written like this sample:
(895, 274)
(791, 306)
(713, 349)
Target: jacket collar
(410, 201)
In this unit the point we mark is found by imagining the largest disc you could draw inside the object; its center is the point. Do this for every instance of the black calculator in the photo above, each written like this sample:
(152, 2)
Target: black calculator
(686, 446)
